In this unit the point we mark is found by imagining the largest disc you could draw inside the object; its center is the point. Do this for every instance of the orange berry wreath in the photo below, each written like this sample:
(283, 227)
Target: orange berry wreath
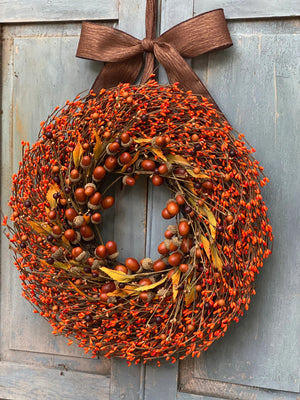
(182, 301)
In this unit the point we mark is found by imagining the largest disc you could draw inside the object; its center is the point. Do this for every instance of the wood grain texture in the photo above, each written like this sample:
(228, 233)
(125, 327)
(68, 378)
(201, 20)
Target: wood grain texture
(130, 224)
(39, 71)
(20, 11)
(256, 84)
(236, 9)
(20, 382)
(161, 382)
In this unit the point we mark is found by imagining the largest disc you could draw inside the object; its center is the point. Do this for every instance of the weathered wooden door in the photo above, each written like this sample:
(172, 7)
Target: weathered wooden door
(256, 83)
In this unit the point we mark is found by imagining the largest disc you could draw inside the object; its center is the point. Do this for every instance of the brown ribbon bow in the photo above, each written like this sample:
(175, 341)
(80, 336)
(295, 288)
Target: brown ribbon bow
(124, 54)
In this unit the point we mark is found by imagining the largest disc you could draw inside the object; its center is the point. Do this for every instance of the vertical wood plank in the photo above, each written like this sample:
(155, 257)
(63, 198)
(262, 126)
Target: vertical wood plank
(130, 207)
(256, 84)
(162, 381)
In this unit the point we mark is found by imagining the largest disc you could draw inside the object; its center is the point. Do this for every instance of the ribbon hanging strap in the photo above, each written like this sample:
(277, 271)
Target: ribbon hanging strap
(124, 54)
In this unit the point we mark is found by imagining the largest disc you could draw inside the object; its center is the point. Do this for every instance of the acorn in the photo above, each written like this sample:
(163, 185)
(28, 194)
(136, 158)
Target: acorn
(148, 165)
(128, 181)
(56, 232)
(80, 196)
(111, 247)
(72, 236)
(107, 202)
(146, 297)
(132, 264)
(113, 148)
(172, 208)
(85, 162)
(147, 264)
(159, 265)
(110, 163)
(121, 268)
(95, 201)
(101, 251)
(96, 218)
(70, 214)
(175, 259)
(125, 158)
(78, 221)
(80, 255)
(157, 180)
(87, 233)
(99, 173)
(89, 189)
(75, 175)
(108, 287)
(126, 140)
(51, 215)
(183, 227)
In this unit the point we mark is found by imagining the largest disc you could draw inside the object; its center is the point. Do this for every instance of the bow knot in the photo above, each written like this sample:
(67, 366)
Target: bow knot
(148, 45)
(124, 54)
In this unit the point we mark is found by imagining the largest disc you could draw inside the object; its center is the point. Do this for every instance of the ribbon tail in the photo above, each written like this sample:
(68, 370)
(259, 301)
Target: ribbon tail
(118, 72)
(178, 70)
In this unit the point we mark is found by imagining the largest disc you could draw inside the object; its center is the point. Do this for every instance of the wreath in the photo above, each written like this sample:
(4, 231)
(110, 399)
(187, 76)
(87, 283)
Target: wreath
(216, 237)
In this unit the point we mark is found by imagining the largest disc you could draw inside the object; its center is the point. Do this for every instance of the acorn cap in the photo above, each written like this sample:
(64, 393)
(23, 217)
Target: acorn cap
(147, 264)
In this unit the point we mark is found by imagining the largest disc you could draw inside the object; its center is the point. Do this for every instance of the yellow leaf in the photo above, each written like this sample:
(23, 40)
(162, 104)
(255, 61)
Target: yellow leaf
(77, 154)
(131, 162)
(80, 291)
(142, 140)
(206, 245)
(40, 227)
(159, 153)
(98, 147)
(216, 259)
(61, 265)
(118, 276)
(119, 293)
(49, 196)
(190, 295)
(201, 176)
(149, 287)
(175, 282)
(212, 221)
(175, 159)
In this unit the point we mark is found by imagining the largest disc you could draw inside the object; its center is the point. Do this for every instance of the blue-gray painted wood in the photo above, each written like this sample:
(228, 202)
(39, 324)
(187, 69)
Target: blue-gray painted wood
(237, 9)
(19, 382)
(161, 382)
(20, 11)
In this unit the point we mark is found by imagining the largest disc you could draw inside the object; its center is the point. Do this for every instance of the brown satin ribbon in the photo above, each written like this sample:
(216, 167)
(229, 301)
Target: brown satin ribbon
(124, 54)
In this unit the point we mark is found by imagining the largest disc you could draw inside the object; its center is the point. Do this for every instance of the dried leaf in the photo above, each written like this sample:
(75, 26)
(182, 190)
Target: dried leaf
(131, 162)
(175, 282)
(175, 159)
(142, 140)
(216, 259)
(212, 221)
(206, 245)
(80, 291)
(201, 176)
(77, 154)
(49, 196)
(159, 153)
(40, 228)
(118, 276)
(61, 265)
(149, 287)
(98, 147)
(190, 295)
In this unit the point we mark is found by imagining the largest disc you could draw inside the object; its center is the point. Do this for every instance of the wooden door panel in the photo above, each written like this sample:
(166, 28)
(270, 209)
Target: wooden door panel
(237, 9)
(256, 84)
(20, 11)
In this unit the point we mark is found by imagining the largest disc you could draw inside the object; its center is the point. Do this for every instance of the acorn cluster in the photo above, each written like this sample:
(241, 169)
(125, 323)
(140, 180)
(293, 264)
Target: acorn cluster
(218, 235)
